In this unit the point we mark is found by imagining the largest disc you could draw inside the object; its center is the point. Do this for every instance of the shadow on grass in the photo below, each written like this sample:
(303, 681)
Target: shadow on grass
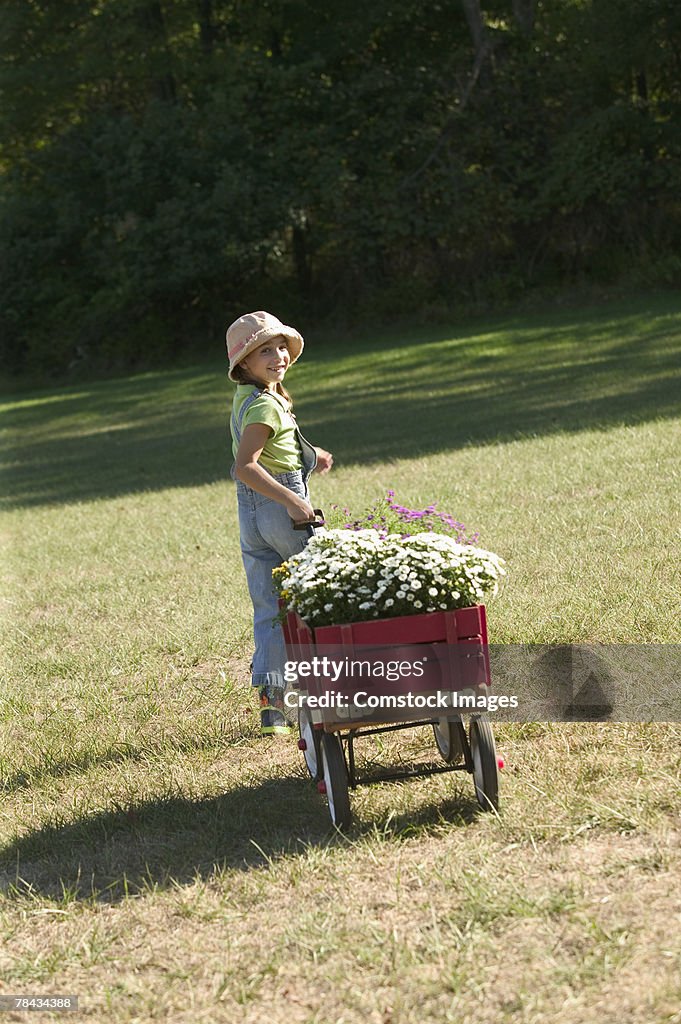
(392, 397)
(163, 843)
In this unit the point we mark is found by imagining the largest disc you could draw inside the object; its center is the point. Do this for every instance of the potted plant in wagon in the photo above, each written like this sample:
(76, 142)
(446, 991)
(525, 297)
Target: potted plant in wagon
(393, 579)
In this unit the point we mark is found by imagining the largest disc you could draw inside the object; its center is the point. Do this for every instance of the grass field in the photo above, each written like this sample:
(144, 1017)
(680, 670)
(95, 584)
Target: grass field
(161, 862)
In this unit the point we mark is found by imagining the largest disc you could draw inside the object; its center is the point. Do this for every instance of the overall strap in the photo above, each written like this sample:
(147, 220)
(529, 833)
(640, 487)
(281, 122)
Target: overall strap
(236, 425)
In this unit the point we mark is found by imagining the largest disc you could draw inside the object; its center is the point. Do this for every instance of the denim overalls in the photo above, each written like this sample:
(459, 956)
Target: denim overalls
(267, 540)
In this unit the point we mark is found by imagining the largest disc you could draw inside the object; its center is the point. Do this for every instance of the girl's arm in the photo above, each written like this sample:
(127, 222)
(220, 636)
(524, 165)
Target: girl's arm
(251, 473)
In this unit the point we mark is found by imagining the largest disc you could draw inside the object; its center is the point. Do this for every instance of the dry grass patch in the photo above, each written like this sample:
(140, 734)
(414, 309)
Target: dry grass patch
(230, 899)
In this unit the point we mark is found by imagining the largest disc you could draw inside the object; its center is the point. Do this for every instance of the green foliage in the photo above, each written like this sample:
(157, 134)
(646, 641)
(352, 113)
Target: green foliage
(164, 165)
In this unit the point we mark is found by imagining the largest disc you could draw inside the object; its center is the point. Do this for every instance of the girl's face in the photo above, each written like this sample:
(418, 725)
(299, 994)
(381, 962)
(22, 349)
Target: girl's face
(269, 362)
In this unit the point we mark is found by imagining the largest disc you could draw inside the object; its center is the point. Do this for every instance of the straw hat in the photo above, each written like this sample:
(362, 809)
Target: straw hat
(251, 330)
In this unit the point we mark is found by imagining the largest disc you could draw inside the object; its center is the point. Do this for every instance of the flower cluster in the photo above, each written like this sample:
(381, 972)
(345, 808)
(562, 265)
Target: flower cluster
(351, 576)
(388, 516)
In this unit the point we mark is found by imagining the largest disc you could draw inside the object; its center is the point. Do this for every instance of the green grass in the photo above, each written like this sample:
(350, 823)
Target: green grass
(163, 863)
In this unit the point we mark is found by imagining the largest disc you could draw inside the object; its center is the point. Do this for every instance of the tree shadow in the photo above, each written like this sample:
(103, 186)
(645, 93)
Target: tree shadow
(396, 397)
(116, 437)
(161, 843)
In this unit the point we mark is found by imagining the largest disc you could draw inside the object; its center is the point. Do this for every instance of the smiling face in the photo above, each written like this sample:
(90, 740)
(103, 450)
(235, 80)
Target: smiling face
(268, 363)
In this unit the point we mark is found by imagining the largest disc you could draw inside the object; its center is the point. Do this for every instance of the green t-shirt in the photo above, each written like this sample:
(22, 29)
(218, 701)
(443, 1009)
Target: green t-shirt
(281, 453)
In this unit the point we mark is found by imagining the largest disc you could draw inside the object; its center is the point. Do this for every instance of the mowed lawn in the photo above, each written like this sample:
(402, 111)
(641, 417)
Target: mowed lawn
(162, 863)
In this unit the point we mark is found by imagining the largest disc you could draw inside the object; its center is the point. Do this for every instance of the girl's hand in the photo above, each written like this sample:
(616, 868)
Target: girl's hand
(299, 509)
(324, 461)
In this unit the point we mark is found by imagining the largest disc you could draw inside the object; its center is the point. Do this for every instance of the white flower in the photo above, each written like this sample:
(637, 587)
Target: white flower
(343, 575)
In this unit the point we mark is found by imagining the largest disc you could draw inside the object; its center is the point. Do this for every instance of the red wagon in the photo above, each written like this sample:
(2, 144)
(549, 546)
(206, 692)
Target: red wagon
(451, 688)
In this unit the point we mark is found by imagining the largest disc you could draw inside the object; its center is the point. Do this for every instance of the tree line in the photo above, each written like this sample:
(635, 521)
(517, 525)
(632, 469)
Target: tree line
(165, 165)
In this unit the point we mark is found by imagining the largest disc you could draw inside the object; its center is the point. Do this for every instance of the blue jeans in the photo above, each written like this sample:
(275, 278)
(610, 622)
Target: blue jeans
(267, 540)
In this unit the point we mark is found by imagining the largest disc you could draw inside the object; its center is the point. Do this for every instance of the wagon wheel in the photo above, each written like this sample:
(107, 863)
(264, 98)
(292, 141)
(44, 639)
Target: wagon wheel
(450, 738)
(484, 756)
(309, 743)
(335, 780)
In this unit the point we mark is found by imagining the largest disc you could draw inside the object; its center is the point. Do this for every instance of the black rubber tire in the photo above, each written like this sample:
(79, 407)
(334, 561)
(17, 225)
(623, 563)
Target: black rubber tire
(485, 768)
(335, 775)
(312, 753)
(450, 739)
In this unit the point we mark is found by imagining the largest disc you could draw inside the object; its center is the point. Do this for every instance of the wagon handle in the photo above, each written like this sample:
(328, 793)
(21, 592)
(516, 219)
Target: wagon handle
(317, 520)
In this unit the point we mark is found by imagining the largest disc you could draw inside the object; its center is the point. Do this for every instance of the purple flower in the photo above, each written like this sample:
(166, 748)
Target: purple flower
(386, 516)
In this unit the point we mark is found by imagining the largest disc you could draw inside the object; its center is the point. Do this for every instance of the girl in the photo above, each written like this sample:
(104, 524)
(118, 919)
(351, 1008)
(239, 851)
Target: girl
(272, 463)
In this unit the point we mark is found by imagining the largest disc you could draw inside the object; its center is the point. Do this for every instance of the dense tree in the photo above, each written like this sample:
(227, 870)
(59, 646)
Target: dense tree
(164, 164)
